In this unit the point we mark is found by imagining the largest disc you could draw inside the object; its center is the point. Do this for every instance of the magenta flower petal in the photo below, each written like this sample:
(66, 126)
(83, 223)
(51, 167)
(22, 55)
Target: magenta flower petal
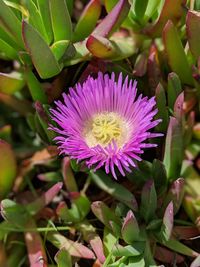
(103, 123)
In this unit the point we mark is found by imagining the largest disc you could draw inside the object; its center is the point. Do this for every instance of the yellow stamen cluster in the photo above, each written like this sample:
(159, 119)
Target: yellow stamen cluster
(105, 127)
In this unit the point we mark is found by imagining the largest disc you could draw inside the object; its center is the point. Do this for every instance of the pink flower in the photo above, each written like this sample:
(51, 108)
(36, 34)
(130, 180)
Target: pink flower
(104, 123)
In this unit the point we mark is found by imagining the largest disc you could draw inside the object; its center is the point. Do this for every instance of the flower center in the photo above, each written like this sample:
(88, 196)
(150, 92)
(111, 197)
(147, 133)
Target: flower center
(104, 128)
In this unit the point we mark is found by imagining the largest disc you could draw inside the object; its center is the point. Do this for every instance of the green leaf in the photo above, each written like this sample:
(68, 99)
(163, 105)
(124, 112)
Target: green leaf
(174, 88)
(148, 201)
(173, 149)
(162, 109)
(14, 213)
(42, 57)
(167, 226)
(130, 228)
(104, 213)
(160, 176)
(176, 54)
(87, 20)
(193, 32)
(10, 23)
(8, 168)
(35, 19)
(59, 48)
(12, 82)
(35, 88)
(180, 248)
(171, 10)
(63, 258)
(136, 262)
(116, 190)
(6, 51)
(136, 249)
(139, 7)
(152, 7)
(61, 21)
(44, 9)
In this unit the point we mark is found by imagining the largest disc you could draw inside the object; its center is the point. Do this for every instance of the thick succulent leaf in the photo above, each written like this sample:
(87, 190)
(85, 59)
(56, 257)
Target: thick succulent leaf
(119, 192)
(11, 83)
(68, 176)
(136, 262)
(180, 248)
(130, 228)
(80, 207)
(61, 21)
(44, 9)
(174, 88)
(14, 213)
(173, 149)
(104, 213)
(148, 201)
(159, 176)
(35, 248)
(42, 57)
(7, 52)
(168, 220)
(178, 108)
(81, 54)
(193, 32)
(74, 248)
(8, 168)
(175, 194)
(59, 48)
(35, 88)
(10, 23)
(113, 20)
(87, 21)
(171, 10)
(173, 46)
(35, 19)
(63, 258)
(136, 249)
(138, 9)
(114, 49)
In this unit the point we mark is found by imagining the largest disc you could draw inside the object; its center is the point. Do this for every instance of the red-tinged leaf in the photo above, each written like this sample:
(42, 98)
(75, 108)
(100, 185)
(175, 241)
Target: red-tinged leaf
(140, 65)
(168, 220)
(36, 253)
(167, 256)
(97, 246)
(74, 248)
(87, 21)
(178, 107)
(172, 10)
(68, 176)
(130, 229)
(173, 46)
(8, 168)
(153, 68)
(173, 149)
(175, 194)
(148, 201)
(12, 82)
(113, 20)
(104, 213)
(174, 88)
(193, 32)
(185, 232)
(100, 47)
(42, 56)
(45, 199)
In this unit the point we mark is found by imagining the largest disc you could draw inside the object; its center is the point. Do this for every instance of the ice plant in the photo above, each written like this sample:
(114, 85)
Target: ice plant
(104, 123)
